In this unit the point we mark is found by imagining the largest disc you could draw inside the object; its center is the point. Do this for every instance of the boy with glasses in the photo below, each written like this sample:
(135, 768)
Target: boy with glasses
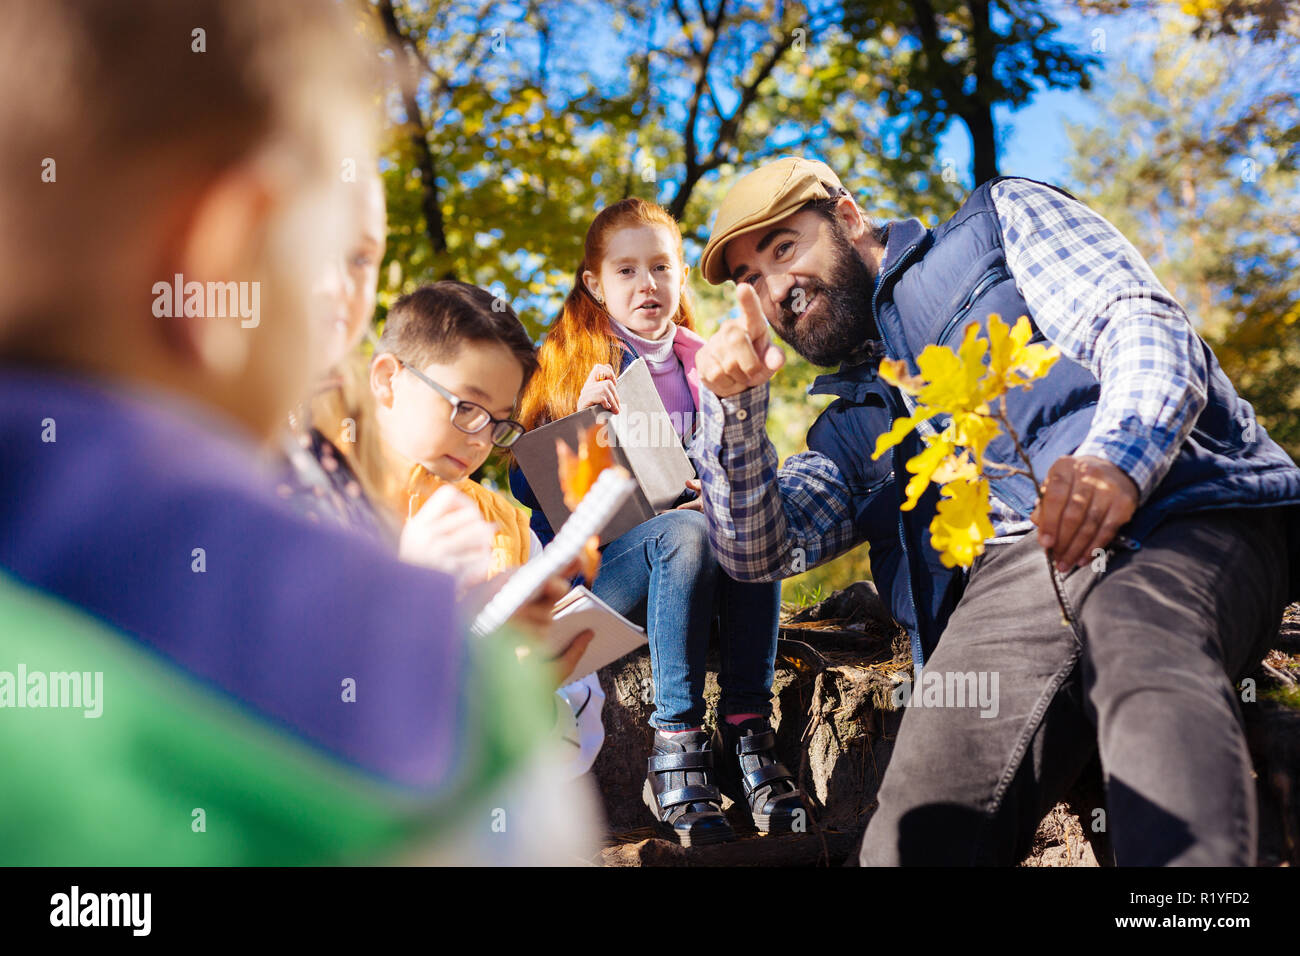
(446, 375)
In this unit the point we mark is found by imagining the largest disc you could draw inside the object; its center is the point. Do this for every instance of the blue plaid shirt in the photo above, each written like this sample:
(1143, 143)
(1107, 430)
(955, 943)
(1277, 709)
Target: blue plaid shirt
(1092, 295)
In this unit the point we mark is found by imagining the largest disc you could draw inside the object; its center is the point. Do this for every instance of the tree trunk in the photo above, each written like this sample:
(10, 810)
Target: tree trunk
(408, 76)
(984, 143)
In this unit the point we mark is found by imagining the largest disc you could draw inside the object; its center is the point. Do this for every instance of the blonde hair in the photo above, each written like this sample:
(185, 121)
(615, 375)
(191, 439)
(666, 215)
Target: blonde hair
(347, 401)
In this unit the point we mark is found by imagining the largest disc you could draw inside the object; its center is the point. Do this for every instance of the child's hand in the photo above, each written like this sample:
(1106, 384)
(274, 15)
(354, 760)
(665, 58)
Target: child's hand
(536, 616)
(568, 659)
(696, 503)
(599, 389)
(448, 534)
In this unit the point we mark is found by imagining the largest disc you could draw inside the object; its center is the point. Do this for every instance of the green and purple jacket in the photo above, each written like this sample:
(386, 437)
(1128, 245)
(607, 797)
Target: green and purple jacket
(250, 688)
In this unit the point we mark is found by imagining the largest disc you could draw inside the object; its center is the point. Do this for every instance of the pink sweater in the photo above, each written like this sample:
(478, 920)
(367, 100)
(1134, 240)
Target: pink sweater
(678, 383)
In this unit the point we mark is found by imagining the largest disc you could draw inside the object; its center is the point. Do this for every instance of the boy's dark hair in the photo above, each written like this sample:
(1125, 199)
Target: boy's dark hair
(429, 325)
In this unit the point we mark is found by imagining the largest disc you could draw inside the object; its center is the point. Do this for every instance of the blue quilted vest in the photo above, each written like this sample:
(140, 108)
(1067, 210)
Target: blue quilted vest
(934, 282)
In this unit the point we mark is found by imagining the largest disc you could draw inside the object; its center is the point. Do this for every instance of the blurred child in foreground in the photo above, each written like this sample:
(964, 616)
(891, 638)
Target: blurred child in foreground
(275, 691)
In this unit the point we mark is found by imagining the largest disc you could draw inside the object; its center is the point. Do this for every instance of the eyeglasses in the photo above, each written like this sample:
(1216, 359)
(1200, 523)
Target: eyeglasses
(470, 417)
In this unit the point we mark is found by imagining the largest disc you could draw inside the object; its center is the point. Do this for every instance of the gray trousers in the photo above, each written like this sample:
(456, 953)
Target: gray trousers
(1167, 631)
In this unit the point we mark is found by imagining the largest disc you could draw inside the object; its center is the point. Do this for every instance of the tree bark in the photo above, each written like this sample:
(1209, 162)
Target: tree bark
(972, 108)
(978, 110)
(430, 202)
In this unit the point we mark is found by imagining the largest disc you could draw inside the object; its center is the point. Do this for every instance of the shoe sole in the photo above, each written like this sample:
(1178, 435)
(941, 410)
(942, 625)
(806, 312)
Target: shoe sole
(763, 823)
(734, 790)
(682, 837)
(685, 840)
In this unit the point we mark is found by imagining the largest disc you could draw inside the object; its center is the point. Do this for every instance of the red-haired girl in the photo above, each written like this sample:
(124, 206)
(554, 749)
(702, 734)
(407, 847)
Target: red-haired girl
(629, 300)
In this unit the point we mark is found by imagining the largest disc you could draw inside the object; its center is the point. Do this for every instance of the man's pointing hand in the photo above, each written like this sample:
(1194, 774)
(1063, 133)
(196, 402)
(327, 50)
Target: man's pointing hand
(740, 355)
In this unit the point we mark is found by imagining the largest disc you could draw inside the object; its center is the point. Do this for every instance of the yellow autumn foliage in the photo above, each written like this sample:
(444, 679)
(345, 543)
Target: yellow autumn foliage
(960, 387)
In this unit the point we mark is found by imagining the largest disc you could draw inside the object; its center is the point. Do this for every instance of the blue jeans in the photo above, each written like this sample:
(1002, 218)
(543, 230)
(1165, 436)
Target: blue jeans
(1168, 630)
(663, 575)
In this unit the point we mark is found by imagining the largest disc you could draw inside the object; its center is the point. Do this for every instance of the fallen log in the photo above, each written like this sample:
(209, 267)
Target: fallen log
(835, 717)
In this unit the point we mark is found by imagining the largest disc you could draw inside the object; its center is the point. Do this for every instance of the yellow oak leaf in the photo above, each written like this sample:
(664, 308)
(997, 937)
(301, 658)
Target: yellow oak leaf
(956, 468)
(923, 467)
(973, 431)
(894, 371)
(951, 385)
(1012, 361)
(897, 432)
(961, 523)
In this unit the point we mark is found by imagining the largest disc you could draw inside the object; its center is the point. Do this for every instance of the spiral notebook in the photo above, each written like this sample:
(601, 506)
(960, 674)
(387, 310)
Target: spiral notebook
(602, 500)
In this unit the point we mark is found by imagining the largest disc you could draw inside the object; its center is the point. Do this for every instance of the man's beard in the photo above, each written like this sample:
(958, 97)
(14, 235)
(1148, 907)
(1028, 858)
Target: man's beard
(837, 320)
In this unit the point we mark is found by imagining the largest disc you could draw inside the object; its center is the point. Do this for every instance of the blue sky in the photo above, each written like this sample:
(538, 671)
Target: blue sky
(1033, 140)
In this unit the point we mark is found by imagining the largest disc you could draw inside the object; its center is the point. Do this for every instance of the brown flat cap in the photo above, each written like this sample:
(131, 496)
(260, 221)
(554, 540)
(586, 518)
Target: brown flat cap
(760, 198)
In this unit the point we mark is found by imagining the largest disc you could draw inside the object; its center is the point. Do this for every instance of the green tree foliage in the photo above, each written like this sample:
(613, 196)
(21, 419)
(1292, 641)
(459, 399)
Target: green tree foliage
(1195, 160)
(510, 126)
(961, 58)
(1259, 20)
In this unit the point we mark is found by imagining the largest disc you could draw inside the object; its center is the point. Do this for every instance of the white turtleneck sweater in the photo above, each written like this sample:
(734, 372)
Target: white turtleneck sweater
(667, 373)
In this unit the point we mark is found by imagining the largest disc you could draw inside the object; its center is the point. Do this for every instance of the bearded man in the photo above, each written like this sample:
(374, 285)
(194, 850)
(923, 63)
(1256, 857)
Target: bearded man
(1165, 506)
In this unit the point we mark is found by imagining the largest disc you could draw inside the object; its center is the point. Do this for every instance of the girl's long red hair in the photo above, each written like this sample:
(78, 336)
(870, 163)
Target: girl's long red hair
(581, 336)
